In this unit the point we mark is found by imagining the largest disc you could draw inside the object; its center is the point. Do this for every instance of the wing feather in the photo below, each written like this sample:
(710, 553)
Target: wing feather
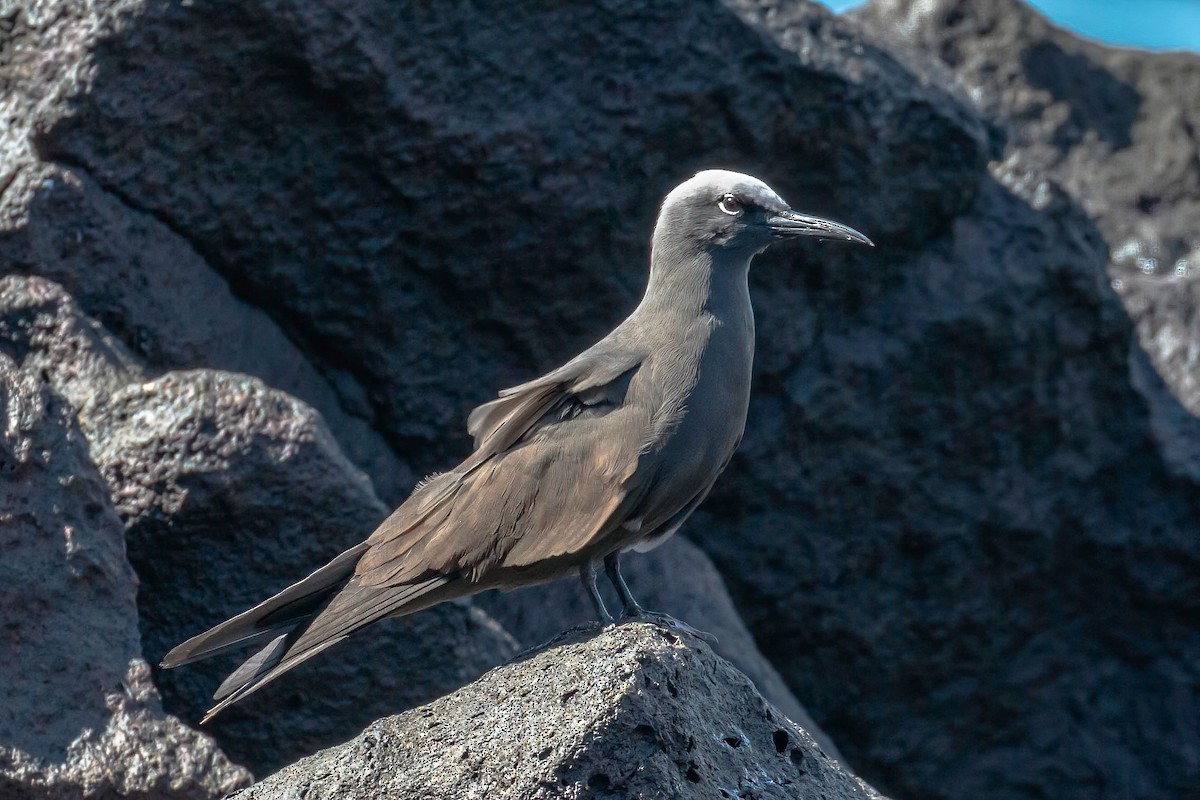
(544, 480)
(351, 609)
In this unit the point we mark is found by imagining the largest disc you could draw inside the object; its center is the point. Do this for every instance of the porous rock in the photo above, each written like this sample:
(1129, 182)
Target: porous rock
(954, 519)
(966, 502)
(962, 525)
(327, 202)
(1117, 128)
(80, 716)
(630, 712)
(676, 578)
(128, 268)
(230, 490)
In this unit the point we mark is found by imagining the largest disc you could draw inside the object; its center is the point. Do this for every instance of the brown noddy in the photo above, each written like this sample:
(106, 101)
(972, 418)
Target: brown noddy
(610, 452)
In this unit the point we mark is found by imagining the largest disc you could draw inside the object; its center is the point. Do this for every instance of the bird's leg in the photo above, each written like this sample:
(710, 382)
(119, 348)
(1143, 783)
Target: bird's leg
(612, 566)
(587, 574)
(631, 610)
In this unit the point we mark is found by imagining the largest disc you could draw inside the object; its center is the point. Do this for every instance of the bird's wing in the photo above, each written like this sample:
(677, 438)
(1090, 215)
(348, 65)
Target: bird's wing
(554, 464)
(278, 614)
(347, 611)
(555, 492)
(593, 378)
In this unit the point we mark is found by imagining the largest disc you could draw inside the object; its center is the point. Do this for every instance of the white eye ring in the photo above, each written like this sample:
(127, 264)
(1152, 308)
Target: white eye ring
(730, 205)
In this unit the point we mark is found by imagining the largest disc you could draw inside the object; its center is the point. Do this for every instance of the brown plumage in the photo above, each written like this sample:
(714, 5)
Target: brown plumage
(608, 453)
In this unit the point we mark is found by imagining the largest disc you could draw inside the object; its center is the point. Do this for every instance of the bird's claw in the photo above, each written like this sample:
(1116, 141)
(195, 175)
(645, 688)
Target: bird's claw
(667, 621)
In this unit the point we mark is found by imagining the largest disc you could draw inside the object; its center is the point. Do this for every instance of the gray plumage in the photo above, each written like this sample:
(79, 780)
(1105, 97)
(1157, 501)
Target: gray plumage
(608, 453)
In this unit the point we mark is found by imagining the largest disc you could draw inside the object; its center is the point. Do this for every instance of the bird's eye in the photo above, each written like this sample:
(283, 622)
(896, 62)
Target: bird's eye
(730, 205)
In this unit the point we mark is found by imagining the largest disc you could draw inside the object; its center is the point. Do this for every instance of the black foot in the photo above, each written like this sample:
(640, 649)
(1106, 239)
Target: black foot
(666, 621)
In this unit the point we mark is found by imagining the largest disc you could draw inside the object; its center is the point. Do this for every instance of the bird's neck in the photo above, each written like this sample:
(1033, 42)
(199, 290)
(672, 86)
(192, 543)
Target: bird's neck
(695, 280)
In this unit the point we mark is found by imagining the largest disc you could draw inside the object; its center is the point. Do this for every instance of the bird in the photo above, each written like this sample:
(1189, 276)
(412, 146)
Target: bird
(608, 453)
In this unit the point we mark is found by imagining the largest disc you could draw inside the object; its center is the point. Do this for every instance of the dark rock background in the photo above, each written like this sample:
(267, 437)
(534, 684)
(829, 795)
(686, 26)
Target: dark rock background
(963, 525)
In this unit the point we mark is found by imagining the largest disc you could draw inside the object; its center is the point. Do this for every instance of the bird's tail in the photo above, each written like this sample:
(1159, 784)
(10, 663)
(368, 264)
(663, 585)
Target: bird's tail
(351, 608)
(279, 614)
(300, 622)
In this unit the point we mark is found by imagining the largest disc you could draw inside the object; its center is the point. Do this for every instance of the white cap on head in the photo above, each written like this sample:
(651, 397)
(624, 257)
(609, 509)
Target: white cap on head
(716, 182)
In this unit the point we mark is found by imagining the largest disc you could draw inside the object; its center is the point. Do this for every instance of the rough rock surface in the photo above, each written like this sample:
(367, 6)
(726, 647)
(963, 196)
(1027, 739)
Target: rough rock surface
(632, 712)
(963, 524)
(366, 290)
(964, 521)
(128, 268)
(80, 715)
(230, 490)
(1118, 129)
(676, 578)
(409, 166)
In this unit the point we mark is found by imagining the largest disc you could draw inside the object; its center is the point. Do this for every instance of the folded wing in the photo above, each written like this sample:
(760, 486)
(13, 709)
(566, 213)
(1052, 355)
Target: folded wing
(555, 468)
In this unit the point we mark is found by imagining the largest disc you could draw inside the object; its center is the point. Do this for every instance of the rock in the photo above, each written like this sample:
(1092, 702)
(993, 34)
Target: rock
(230, 490)
(43, 329)
(388, 208)
(963, 521)
(231, 493)
(676, 578)
(955, 522)
(390, 205)
(88, 365)
(1116, 128)
(130, 270)
(80, 716)
(630, 712)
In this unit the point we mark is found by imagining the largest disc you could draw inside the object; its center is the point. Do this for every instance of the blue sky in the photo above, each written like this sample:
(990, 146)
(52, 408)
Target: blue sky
(1156, 24)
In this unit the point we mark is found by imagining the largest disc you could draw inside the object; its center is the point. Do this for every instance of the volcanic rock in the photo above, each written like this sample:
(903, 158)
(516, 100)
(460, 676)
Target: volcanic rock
(963, 525)
(676, 578)
(80, 715)
(229, 491)
(1117, 128)
(631, 712)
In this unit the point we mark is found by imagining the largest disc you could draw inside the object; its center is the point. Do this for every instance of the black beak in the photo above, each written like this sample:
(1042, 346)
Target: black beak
(786, 224)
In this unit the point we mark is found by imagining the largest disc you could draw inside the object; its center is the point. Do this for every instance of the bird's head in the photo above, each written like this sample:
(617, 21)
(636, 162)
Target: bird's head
(734, 212)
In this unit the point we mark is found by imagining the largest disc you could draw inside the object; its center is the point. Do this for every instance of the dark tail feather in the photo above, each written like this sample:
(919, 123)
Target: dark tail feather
(352, 608)
(260, 681)
(257, 664)
(279, 614)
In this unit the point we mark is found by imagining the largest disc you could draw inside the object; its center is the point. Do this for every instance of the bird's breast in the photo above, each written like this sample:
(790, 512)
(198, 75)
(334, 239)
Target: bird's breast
(715, 410)
(703, 382)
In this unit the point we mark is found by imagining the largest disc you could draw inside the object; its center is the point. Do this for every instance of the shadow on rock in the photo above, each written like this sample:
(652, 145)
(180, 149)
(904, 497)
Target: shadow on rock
(80, 715)
(230, 490)
(950, 520)
(1097, 100)
(676, 578)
